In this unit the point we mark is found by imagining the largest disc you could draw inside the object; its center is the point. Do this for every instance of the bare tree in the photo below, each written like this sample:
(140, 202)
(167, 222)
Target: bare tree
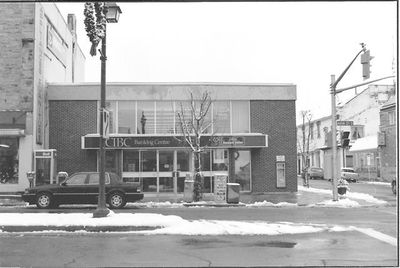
(194, 124)
(303, 143)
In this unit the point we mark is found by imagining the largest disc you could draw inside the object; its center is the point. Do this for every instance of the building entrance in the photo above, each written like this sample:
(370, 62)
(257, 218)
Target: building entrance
(157, 171)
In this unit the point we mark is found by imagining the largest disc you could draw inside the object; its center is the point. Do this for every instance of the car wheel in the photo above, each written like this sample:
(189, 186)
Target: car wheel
(116, 200)
(44, 200)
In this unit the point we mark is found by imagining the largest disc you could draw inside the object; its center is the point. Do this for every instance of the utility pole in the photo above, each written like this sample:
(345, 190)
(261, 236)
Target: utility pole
(334, 142)
(365, 61)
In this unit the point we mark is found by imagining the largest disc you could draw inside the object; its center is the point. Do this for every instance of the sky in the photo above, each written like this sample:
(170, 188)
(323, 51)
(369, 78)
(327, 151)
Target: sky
(301, 43)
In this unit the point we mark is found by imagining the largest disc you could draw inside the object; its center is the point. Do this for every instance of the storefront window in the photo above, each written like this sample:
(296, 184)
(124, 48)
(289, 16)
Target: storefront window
(130, 161)
(240, 117)
(166, 184)
(220, 160)
(164, 117)
(145, 117)
(8, 160)
(166, 161)
(148, 160)
(221, 117)
(111, 107)
(242, 169)
(205, 161)
(111, 161)
(183, 161)
(126, 117)
(149, 184)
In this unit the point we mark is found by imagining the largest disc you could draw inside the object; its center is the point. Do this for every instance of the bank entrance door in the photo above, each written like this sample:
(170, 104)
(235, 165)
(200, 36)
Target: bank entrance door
(157, 171)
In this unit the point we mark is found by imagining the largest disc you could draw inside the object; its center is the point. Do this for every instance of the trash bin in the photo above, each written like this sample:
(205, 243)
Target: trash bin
(188, 189)
(232, 193)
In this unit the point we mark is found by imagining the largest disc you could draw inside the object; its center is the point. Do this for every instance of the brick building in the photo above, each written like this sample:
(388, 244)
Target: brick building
(37, 46)
(387, 141)
(253, 134)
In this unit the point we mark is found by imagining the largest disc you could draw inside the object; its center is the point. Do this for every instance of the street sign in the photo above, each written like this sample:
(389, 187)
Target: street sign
(106, 124)
(344, 123)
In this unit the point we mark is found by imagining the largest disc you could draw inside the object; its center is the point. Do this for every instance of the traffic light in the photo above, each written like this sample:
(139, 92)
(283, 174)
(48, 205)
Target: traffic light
(345, 139)
(366, 64)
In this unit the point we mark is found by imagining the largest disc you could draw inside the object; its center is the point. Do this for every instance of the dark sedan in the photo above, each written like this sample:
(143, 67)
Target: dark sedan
(83, 188)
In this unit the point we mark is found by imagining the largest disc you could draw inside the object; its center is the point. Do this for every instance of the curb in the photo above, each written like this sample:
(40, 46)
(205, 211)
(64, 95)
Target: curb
(75, 228)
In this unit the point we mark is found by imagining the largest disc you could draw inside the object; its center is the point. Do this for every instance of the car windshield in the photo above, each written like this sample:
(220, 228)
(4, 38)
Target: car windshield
(348, 170)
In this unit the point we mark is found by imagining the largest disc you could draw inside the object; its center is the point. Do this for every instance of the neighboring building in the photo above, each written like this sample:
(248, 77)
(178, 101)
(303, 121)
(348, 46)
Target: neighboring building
(387, 141)
(363, 112)
(253, 137)
(37, 46)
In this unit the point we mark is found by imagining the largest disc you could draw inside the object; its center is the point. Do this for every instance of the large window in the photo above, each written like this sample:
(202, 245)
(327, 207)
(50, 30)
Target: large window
(148, 160)
(9, 160)
(130, 161)
(165, 117)
(161, 117)
(221, 117)
(242, 169)
(145, 117)
(240, 117)
(127, 117)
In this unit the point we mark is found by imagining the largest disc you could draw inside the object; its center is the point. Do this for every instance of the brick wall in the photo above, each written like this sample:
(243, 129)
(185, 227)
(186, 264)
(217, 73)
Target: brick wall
(69, 121)
(277, 119)
(388, 152)
(17, 55)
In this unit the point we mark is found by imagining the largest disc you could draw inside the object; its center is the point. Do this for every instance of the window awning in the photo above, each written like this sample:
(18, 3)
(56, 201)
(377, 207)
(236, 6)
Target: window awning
(365, 143)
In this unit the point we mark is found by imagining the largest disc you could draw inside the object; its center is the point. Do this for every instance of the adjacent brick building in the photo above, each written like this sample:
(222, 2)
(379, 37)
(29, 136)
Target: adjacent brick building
(253, 135)
(37, 46)
(387, 141)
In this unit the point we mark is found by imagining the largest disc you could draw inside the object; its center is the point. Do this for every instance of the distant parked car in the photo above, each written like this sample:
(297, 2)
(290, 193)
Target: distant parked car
(349, 174)
(315, 173)
(83, 188)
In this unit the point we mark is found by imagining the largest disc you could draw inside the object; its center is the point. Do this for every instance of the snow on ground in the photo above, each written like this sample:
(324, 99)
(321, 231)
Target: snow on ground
(167, 224)
(341, 203)
(265, 203)
(350, 195)
(377, 183)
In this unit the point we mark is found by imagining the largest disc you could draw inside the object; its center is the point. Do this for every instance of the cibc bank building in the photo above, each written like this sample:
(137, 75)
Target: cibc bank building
(251, 137)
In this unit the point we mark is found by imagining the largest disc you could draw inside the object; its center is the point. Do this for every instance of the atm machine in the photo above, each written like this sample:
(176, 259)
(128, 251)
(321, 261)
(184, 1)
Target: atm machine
(45, 167)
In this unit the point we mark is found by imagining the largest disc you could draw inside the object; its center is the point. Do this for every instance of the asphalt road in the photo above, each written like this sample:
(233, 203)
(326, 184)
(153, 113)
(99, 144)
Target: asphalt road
(369, 244)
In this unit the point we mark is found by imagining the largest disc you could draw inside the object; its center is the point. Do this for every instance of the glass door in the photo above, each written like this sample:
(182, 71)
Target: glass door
(165, 171)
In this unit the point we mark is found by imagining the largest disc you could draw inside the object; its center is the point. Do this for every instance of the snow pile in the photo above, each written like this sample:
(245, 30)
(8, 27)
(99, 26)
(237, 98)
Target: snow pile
(353, 195)
(314, 190)
(342, 203)
(152, 204)
(265, 203)
(172, 225)
(378, 183)
(365, 197)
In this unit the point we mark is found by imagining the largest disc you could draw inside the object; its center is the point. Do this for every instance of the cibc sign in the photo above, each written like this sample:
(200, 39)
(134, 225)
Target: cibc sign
(128, 142)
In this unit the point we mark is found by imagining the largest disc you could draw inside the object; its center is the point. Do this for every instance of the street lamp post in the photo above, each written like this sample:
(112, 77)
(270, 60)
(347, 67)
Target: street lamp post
(111, 12)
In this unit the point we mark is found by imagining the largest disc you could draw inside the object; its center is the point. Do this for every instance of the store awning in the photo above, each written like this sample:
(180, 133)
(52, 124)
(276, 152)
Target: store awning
(118, 141)
(364, 144)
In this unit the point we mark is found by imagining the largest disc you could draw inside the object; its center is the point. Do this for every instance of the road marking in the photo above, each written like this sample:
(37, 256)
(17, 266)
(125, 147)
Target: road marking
(378, 235)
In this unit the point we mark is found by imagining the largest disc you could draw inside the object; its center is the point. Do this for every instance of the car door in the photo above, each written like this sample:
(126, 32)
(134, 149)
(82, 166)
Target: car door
(73, 191)
(92, 189)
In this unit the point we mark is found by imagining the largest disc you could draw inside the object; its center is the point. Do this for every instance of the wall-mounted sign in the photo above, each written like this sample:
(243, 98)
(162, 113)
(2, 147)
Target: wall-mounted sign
(120, 142)
(280, 158)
